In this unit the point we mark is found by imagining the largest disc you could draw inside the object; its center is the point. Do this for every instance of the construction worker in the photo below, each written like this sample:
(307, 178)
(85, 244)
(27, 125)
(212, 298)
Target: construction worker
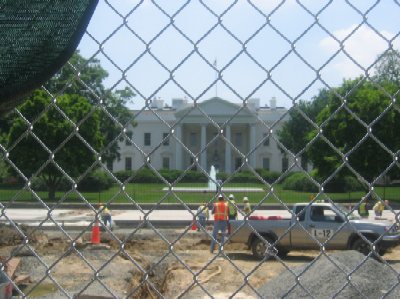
(202, 216)
(105, 215)
(362, 209)
(378, 208)
(232, 207)
(246, 205)
(221, 219)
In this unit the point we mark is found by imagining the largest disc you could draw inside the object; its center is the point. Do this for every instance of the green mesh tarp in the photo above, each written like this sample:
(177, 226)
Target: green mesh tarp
(36, 38)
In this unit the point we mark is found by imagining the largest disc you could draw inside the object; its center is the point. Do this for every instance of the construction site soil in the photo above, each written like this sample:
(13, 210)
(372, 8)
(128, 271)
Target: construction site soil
(177, 262)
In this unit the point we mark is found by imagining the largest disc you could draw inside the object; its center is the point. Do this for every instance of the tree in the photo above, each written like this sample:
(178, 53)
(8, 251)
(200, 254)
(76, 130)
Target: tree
(348, 130)
(294, 132)
(387, 67)
(90, 84)
(57, 134)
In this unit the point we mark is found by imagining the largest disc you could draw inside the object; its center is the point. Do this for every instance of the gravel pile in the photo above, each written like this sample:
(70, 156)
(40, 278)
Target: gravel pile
(329, 279)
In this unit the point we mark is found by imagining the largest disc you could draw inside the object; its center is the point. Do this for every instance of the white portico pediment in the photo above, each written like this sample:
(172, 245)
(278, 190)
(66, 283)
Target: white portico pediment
(218, 109)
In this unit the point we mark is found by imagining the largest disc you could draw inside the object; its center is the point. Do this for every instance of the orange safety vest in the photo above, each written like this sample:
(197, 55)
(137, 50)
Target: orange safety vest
(221, 211)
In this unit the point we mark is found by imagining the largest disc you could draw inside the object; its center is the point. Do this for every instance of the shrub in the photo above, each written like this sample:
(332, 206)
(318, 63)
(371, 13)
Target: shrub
(245, 176)
(38, 184)
(194, 177)
(299, 181)
(170, 174)
(223, 176)
(96, 181)
(146, 175)
(123, 175)
(267, 175)
(344, 184)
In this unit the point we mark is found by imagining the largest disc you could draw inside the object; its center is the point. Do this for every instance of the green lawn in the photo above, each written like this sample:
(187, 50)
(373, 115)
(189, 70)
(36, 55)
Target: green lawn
(150, 193)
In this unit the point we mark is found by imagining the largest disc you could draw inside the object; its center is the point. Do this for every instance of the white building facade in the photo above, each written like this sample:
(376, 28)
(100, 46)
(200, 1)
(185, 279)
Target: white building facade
(214, 132)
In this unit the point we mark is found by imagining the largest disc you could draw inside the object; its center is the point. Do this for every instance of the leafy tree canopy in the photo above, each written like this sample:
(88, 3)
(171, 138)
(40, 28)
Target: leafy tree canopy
(294, 132)
(359, 120)
(387, 67)
(86, 77)
(52, 141)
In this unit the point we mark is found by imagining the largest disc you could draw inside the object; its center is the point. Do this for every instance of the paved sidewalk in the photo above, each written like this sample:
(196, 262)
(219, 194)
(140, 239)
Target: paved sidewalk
(84, 218)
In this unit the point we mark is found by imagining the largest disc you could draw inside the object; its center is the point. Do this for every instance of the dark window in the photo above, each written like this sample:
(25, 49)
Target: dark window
(193, 139)
(238, 163)
(128, 163)
(238, 139)
(166, 139)
(266, 163)
(266, 139)
(127, 141)
(165, 162)
(194, 167)
(147, 139)
(322, 214)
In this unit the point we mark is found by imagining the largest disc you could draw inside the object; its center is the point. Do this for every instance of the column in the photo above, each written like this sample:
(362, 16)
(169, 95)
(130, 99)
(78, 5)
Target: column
(252, 157)
(178, 148)
(203, 141)
(228, 154)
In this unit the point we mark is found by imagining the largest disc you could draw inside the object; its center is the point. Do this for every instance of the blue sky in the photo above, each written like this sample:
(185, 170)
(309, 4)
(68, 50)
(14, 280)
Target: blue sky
(245, 46)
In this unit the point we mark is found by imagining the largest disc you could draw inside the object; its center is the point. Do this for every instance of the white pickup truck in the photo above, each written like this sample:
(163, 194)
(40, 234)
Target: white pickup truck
(315, 226)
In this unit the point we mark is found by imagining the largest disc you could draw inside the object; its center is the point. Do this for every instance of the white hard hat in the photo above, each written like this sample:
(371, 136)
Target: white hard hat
(245, 198)
(231, 196)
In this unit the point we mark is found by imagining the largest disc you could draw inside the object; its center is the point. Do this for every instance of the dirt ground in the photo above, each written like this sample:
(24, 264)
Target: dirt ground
(178, 265)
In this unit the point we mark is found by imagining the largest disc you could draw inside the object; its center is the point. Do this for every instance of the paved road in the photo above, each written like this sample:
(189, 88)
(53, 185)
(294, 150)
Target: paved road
(84, 218)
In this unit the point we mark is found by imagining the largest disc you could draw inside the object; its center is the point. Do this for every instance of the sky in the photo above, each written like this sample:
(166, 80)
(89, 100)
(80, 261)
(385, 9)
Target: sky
(257, 48)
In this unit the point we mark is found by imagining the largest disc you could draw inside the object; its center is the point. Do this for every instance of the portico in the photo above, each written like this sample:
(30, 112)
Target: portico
(217, 139)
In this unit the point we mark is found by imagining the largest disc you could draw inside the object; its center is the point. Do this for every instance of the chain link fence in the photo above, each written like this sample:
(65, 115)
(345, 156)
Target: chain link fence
(216, 139)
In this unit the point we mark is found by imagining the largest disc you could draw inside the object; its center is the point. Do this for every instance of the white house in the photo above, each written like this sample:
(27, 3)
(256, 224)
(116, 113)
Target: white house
(214, 132)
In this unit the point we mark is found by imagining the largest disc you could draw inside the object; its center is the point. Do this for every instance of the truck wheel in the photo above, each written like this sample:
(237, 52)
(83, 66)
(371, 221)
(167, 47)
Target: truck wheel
(260, 248)
(361, 246)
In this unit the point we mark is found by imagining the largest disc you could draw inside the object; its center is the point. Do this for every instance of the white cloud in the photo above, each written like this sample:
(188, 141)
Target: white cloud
(364, 45)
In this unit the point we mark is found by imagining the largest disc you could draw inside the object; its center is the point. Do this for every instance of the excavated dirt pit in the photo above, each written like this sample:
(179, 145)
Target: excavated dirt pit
(117, 270)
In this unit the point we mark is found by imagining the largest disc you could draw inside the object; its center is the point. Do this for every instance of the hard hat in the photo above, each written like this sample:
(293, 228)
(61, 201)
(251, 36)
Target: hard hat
(245, 198)
(220, 196)
(231, 196)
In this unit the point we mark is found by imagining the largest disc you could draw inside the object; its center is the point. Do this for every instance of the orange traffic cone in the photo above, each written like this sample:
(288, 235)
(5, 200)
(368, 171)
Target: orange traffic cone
(95, 233)
(194, 226)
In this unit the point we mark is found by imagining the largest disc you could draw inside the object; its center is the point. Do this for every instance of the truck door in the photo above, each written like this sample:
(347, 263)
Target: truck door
(323, 226)
(299, 233)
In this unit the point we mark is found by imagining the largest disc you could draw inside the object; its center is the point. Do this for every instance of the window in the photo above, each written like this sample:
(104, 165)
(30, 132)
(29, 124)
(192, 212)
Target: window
(238, 139)
(147, 139)
(127, 141)
(194, 167)
(128, 163)
(193, 139)
(322, 214)
(266, 139)
(285, 164)
(165, 162)
(301, 213)
(166, 139)
(238, 163)
(266, 163)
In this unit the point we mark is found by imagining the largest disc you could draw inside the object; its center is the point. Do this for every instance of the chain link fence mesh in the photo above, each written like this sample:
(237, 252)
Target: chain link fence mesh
(123, 271)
